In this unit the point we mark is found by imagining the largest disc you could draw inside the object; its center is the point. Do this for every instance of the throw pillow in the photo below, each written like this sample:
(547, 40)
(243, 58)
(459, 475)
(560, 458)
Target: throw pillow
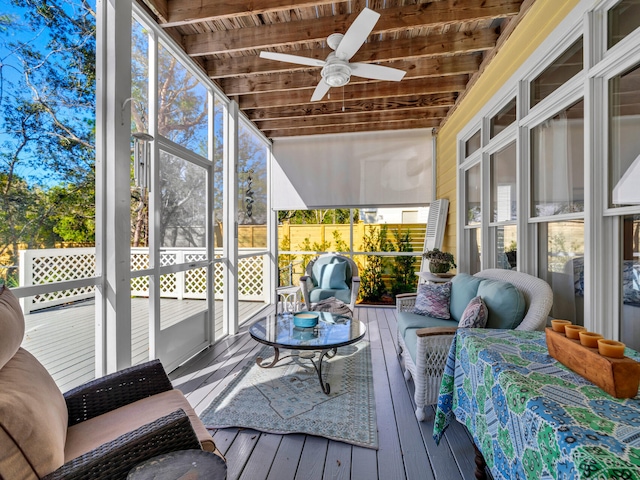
(433, 300)
(334, 276)
(475, 315)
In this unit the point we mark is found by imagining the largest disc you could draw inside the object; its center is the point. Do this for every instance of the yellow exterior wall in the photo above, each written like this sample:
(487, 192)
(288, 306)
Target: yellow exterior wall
(541, 19)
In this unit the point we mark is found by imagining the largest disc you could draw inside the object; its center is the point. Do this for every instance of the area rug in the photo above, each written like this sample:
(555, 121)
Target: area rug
(288, 398)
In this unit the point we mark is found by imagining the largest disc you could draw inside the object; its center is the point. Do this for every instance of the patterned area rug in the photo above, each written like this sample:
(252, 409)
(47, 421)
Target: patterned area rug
(288, 398)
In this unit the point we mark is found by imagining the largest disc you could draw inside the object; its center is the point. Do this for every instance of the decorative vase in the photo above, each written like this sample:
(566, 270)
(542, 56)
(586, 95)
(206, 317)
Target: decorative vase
(438, 267)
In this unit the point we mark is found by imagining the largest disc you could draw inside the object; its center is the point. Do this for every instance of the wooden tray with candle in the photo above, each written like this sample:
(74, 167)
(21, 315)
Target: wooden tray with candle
(619, 377)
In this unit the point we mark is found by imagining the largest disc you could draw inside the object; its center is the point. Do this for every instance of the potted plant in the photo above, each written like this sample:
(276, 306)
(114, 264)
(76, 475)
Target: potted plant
(439, 262)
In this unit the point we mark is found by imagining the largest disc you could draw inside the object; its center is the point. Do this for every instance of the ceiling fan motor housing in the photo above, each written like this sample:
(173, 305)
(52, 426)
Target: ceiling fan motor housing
(336, 72)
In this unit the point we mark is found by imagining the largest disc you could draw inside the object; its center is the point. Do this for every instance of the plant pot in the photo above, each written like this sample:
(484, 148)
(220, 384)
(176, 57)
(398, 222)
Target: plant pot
(438, 267)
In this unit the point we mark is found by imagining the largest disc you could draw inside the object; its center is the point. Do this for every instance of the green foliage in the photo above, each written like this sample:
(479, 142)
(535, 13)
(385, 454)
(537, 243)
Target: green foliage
(372, 285)
(341, 245)
(307, 246)
(404, 277)
(338, 216)
(285, 262)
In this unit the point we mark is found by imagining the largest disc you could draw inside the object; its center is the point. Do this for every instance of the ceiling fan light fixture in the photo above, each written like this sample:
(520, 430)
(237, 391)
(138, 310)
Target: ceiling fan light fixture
(336, 74)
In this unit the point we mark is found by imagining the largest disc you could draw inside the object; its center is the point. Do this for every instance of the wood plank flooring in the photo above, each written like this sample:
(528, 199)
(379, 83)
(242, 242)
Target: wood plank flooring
(406, 447)
(63, 338)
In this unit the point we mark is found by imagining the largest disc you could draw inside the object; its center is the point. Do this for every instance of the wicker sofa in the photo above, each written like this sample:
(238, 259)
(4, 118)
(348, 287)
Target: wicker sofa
(101, 429)
(424, 341)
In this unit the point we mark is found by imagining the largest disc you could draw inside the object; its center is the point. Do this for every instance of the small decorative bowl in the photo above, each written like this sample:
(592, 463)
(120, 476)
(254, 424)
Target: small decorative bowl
(558, 325)
(573, 331)
(305, 319)
(590, 339)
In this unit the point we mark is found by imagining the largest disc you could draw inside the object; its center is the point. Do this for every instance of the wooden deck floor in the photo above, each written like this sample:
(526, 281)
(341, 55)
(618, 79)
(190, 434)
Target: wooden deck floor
(63, 338)
(406, 447)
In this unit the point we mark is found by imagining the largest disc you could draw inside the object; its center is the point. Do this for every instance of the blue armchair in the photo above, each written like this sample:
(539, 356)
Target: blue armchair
(330, 275)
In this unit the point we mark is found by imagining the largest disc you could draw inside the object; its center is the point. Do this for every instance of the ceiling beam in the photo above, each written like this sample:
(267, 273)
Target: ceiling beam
(416, 68)
(184, 12)
(402, 49)
(353, 118)
(444, 100)
(419, 86)
(434, 14)
(366, 127)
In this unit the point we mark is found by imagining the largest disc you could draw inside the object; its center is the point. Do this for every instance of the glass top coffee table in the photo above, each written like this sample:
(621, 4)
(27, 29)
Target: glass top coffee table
(332, 331)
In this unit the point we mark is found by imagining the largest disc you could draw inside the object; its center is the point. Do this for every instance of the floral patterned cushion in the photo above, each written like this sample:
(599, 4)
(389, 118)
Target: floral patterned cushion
(475, 315)
(433, 300)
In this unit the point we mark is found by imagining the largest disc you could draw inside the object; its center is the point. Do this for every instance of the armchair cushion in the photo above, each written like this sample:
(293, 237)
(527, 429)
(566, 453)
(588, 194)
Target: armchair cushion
(505, 303)
(333, 276)
(318, 294)
(11, 326)
(33, 419)
(475, 315)
(408, 320)
(90, 434)
(433, 300)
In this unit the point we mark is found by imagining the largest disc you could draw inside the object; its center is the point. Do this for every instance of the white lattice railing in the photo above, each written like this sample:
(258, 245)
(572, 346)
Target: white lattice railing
(38, 267)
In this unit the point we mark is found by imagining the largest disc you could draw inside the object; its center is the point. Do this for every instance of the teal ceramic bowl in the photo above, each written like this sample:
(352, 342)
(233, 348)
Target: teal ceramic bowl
(305, 319)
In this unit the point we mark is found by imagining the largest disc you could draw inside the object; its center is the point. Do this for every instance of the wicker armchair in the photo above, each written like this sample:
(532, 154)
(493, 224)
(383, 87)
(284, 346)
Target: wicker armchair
(433, 343)
(101, 429)
(313, 290)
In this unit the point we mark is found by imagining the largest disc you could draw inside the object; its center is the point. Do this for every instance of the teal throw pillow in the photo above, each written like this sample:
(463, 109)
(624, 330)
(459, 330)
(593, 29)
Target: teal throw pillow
(334, 276)
(505, 303)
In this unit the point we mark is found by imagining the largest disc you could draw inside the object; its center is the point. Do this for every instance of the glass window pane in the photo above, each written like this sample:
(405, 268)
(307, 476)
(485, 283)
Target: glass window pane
(630, 308)
(555, 75)
(506, 237)
(474, 242)
(473, 184)
(183, 200)
(183, 295)
(561, 257)
(182, 105)
(503, 119)
(623, 19)
(504, 199)
(472, 145)
(557, 163)
(252, 189)
(624, 141)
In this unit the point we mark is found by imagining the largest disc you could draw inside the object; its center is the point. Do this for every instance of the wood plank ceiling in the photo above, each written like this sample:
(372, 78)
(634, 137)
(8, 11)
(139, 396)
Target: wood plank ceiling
(440, 44)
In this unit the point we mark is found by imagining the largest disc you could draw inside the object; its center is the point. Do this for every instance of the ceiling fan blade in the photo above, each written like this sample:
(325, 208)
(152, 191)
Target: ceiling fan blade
(320, 91)
(358, 32)
(376, 72)
(285, 57)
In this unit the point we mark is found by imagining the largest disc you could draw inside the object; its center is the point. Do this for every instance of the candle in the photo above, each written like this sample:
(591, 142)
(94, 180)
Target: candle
(558, 325)
(590, 339)
(573, 331)
(611, 348)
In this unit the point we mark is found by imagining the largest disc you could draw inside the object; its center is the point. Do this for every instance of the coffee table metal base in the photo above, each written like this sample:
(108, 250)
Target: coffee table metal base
(307, 354)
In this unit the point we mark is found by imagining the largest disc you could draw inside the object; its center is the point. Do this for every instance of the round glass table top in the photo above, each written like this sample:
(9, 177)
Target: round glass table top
(332, 331)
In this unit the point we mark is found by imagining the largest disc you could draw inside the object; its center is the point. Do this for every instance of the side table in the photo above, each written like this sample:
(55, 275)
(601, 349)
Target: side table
(181, 465)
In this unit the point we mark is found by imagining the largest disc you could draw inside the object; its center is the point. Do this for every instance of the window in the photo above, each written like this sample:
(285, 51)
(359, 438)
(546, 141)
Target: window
(630, 284)
(473, 183)
(557, 162)
(565, 67)
(506, 246)
(503, 119)
(623, 19)
(472, 145)
(503, 184)
(561, 264)
(624, 141)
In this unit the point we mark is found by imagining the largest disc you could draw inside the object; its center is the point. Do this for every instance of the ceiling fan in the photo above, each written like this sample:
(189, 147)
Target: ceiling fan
(336, 69)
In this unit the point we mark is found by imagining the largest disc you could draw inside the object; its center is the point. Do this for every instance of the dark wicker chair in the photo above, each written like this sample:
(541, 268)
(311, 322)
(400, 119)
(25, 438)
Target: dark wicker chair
(43, 433)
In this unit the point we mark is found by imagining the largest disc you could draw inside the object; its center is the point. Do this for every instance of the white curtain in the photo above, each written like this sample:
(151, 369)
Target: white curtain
(372, 169)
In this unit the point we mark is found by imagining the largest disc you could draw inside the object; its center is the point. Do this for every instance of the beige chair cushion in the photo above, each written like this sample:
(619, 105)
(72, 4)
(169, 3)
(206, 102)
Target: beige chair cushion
(11, 325)
(92, 433)
(33, 419)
